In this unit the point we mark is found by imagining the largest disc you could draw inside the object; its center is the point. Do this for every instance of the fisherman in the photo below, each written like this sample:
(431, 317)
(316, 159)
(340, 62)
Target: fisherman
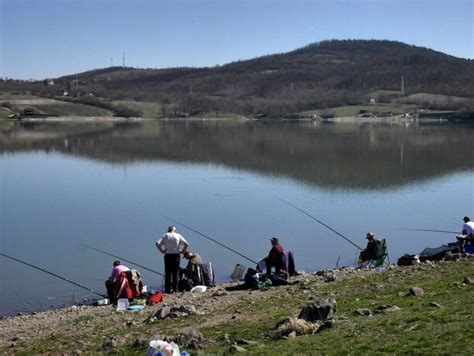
(170, 244)
(467, 234)
(114, 278)
(193, 274)
(370, 251)
(276, 257)
(468, 227)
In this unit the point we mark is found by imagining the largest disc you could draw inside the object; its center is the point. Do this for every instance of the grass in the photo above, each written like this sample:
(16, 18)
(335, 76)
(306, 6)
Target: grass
(72, 109)
(4, 113)
(416, 328)
(59, 108)
(378, 93)
(353, 110)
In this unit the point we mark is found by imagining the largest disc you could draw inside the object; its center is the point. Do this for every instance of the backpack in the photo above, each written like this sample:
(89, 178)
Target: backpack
(406, 260)
(185, 284)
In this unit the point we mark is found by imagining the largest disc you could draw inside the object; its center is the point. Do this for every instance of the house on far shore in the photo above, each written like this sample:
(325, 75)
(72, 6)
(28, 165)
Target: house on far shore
(372, 101)
(48, 81)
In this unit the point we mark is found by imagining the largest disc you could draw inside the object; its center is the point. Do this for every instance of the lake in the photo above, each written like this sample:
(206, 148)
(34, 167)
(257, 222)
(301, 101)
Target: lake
(109, 185)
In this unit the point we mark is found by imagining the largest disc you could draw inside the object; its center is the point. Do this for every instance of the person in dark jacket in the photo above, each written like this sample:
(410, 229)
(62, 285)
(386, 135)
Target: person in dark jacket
(370, 251)
(276, 257)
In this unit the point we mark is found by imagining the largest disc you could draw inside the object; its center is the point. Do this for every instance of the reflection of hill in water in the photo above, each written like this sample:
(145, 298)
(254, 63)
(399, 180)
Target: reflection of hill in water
(335, 156)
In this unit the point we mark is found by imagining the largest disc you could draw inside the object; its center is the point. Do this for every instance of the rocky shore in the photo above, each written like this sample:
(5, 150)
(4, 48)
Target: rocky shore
(316, 307)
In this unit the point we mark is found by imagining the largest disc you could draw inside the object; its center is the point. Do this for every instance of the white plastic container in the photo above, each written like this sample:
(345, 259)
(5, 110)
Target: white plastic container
(105, 301)
(199, 289)
(122, 304)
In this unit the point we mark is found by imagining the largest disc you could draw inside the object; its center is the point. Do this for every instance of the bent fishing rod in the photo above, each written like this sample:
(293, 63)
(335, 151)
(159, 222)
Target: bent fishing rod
(428, 230)
(319, 221)
(123, 259)
(52, 274)
(209, 238)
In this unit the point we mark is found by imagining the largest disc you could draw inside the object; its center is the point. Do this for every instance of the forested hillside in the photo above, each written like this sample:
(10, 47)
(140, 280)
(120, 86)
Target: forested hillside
(321, 75)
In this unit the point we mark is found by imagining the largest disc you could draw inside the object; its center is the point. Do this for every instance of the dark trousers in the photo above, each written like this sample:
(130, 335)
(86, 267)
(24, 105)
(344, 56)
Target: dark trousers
(171, 272)
(278, 263)
(110, 290)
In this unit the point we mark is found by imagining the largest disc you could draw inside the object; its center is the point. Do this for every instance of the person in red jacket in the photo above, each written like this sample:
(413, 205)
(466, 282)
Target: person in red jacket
(276, 257)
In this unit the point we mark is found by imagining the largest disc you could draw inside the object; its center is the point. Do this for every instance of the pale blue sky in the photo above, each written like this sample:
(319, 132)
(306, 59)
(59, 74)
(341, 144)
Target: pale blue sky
(50, 38)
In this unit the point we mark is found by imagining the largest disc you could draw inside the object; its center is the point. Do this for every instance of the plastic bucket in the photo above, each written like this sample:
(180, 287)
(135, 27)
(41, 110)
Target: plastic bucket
(122, 304)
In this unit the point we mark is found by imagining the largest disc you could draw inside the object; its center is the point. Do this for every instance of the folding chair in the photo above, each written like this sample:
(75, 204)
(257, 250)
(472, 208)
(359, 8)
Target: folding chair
(381, 255)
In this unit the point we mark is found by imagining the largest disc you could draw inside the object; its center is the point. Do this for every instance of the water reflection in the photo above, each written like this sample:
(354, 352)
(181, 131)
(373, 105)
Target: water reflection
(363, 156)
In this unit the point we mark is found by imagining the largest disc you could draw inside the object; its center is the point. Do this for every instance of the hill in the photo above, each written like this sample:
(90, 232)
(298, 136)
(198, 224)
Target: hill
(321, 75)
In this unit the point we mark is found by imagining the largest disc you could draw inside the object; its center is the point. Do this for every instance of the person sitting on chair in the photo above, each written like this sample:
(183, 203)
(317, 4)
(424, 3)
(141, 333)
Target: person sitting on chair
(370, 251)
(113, 280)
(276, 257)
(467, 234)
(193, 270)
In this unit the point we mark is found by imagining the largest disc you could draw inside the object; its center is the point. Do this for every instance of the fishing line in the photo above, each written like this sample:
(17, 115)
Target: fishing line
(428, 230)
(52, 274)
(123, 259)
(319, 221)
(209, 238)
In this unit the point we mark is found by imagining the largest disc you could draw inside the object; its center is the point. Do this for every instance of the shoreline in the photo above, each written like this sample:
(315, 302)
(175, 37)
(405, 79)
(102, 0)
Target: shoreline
(217, 313)
(398, 119)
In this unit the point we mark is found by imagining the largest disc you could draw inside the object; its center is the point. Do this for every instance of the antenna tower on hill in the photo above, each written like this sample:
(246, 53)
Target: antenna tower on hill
(123, 60)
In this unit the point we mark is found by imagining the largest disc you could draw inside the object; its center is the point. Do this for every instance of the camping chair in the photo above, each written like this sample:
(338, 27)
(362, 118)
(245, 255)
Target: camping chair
(381, 255)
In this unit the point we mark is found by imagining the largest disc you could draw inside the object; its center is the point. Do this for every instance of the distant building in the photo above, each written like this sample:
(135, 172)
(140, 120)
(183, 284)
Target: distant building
(48, 81)
(372, 101)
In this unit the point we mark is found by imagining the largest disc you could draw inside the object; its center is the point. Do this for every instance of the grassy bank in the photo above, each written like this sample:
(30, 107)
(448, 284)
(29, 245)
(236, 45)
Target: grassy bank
(248, 318)
(354, 110)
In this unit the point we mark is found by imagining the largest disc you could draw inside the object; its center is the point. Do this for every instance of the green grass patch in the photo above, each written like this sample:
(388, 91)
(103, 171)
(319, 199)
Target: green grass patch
(416, 328)
(4, 113)
(354, 110)
(72, 109)
(378, 93)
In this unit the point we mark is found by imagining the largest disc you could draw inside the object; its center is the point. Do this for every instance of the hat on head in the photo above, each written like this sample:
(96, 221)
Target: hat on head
(274, 239)
(370, 235)
(188, 253)
(466, 219)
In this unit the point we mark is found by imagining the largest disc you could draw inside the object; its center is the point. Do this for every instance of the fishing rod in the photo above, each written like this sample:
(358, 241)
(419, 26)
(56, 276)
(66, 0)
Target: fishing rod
(52, 274)
(121, 258)
(428, 230)
(209, 238)
(319, 221)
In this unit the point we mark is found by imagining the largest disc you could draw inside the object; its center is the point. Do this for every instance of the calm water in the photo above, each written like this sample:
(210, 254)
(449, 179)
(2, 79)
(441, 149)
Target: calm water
(107, 185)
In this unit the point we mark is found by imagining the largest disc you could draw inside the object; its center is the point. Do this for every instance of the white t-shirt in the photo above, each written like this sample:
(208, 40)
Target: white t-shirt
(469, 227)
(171, 242)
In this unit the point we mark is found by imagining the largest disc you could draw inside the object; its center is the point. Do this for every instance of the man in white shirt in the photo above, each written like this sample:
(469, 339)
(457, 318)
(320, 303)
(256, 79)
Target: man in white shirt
(468, 227)
(172, 244)
(466, 240)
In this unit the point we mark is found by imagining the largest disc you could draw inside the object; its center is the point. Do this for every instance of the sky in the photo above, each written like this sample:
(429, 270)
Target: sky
(50, 38)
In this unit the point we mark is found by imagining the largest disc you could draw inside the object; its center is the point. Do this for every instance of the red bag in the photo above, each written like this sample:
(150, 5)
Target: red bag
(156, 298)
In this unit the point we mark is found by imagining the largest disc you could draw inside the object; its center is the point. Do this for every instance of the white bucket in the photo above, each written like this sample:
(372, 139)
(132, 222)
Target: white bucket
(122, 304)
